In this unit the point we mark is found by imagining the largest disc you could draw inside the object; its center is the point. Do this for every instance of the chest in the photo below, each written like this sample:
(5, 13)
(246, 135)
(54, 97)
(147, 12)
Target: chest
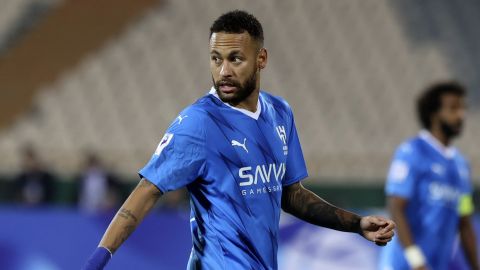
(249, 142)
(442, 182)
(253, 153)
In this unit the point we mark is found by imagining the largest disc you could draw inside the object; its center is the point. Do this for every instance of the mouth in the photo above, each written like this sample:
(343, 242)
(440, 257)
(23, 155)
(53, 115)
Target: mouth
(227, 87)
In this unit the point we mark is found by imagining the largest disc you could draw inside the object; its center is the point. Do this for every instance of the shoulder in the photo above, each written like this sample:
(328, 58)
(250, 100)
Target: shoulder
(409, 149)
(276, 102)
(191, 119)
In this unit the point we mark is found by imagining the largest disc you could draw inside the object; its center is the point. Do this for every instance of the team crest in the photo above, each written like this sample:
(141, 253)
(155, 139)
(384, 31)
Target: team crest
(163, 143)
(283, 136)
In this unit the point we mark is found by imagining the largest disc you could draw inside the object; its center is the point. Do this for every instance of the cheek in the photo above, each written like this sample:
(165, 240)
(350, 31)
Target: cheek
(214, 70)
(246, 71)
(451, 117)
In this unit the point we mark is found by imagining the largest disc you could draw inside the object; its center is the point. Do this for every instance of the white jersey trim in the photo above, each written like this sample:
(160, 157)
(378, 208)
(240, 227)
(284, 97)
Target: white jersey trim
(253, 115)
(447, 152)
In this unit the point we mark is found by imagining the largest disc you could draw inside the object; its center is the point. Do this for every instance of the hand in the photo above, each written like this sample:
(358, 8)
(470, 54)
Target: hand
(421, 268)
(377, 229)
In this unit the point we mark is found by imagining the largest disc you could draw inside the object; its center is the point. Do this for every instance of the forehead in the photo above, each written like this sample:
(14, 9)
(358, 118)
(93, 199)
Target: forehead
(228, 41)
(452, 99)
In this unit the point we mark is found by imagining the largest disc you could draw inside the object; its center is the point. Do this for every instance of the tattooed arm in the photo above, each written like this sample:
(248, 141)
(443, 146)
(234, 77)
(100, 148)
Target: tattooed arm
(305, 205)
(132, 212)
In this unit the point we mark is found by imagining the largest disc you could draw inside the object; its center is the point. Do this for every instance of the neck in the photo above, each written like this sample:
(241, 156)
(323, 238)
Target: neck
(249, 103)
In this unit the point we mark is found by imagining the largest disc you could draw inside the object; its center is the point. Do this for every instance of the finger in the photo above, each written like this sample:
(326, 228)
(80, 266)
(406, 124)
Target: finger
(386, 231)
(389, 227)
(378, 221)
(371, 222)
(383, 241)
(383, 236)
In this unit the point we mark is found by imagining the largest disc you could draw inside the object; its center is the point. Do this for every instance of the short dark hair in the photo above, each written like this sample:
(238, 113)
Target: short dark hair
(430, 101)
(237, 22)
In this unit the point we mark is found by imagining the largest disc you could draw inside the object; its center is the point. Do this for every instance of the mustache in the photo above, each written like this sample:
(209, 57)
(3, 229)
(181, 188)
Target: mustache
(227, 82)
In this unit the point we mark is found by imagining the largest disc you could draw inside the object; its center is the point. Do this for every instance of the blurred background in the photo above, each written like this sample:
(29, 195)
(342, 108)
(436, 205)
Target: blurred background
(87, 89)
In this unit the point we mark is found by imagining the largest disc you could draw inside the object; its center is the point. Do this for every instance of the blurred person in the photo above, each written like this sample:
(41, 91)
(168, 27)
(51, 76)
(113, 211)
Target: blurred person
(34, 185)
(98, 189)
(429, 187)
(237, 151)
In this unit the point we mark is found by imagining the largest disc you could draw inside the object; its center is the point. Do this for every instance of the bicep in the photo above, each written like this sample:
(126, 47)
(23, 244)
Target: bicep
(147, 190)
(143, 197)
(396, 203)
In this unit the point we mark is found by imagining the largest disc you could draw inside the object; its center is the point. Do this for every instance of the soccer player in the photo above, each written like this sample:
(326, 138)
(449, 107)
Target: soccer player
(237, 151)
(429, 189)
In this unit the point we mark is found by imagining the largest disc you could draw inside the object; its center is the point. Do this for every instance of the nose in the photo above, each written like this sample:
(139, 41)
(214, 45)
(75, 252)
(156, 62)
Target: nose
(225, 69)
(461, 114)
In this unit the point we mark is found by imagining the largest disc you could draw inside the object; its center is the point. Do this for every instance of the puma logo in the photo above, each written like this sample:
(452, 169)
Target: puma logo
(180, 118)
(237, 143)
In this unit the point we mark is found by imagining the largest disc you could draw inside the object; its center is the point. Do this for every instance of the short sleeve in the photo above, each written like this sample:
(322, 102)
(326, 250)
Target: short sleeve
(296, 169)
(180, 156)
(402, 173)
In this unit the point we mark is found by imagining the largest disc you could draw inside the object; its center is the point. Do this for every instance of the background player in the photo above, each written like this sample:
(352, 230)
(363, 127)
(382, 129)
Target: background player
(429, 189)
(237, 152)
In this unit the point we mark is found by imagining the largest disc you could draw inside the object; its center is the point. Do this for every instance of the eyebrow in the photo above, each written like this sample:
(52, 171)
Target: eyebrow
(230, 54)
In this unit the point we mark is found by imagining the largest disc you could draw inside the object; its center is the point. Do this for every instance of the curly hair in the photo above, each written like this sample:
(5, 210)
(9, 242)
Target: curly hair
(237, 22)
(429, 102)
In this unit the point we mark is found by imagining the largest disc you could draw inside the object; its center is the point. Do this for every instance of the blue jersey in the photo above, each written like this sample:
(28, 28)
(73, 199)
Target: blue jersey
(435, 180)
(234, 164)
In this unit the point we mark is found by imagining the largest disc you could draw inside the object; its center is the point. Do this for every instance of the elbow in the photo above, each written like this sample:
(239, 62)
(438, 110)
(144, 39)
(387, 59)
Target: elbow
(286, 207)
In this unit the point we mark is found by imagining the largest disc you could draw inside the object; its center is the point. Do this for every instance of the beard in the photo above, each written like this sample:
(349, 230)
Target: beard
(242, 92)
(451, 130)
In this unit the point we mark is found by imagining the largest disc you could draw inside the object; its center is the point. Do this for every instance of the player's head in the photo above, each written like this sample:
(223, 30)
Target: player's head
(442, 107)
(236, 55)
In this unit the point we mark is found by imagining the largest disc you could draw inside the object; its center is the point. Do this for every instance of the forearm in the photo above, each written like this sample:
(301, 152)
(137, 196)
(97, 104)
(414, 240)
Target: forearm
(132, 212)
(306, 205)
(468, 239)
(403, 229)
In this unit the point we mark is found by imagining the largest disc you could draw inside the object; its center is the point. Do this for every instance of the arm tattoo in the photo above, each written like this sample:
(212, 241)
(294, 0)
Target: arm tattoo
(307, 206)
(125, 213)
(131, 218)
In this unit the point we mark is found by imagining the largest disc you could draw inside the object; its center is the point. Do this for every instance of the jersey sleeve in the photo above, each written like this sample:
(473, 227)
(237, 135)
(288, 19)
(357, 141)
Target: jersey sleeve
(403, 172)
(180, 156)
(296, 169)
(465, 201)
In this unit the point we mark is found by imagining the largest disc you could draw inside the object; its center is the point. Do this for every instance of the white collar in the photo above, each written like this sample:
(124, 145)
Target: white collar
(446, 151)
(253, 115)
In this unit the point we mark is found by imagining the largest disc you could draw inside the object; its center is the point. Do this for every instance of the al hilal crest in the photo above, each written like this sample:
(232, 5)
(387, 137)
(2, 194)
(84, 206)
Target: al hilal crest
(283, 136)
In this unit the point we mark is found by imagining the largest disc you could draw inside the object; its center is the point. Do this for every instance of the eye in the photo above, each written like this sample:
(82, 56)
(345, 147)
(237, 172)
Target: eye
(237, 59)
(216, 59)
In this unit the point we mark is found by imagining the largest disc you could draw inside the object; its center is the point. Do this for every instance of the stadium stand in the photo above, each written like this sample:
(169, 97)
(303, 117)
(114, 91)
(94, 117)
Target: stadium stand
(17, 17)
(350, 70)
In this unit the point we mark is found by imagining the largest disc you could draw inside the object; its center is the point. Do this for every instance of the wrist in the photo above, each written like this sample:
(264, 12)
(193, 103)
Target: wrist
(99, 259)
(414, 256)
(357, 225)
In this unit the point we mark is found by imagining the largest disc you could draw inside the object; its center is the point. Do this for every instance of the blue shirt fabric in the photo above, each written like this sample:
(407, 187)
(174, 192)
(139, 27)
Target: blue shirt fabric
(433, 179)
(234, 164)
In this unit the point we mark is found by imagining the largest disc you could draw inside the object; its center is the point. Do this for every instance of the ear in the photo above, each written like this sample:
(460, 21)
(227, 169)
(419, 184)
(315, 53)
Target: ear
(262, 58)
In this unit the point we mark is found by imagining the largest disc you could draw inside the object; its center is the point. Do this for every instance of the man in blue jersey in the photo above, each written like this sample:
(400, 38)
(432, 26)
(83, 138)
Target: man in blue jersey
(429, 189)
(237, 151)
